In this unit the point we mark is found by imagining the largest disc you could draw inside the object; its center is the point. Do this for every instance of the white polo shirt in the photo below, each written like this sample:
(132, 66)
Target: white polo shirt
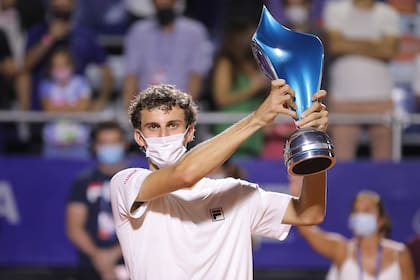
(199, 233)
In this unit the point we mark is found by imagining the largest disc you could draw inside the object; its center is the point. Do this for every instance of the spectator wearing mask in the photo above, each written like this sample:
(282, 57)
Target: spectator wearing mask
(59, 30)
(65, 91)
(89, 218)
(167, 48)
(363, 37)
(369, 254)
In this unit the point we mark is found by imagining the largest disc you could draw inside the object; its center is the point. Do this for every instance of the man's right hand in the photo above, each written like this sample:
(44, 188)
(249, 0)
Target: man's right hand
(279, 101)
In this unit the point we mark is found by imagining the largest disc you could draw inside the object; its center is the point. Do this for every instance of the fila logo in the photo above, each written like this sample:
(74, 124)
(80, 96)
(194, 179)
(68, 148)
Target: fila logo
(217, 214)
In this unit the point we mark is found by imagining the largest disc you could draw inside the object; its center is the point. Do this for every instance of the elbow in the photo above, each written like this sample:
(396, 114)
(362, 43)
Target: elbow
(313, 221)
(314, 217)
(183, 176)
(318, 219)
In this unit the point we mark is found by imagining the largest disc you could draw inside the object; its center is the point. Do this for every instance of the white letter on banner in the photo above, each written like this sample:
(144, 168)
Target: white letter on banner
(8, 207)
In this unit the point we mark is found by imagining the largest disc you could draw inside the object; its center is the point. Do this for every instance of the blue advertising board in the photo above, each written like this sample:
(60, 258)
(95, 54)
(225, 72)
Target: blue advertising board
(33, 193)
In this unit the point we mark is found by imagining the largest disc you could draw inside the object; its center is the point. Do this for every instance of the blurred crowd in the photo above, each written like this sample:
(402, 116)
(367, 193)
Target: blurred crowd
(95, 55)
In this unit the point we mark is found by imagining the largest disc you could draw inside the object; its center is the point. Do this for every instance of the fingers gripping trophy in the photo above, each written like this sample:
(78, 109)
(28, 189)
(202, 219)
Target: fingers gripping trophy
(297, 58)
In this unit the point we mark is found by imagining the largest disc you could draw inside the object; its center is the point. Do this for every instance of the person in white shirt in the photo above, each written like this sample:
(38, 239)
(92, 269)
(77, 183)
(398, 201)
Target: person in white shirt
(362, 38)
(369, 254)
(175, 223)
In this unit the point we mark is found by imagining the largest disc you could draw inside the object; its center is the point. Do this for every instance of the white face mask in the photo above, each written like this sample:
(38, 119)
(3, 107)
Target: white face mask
(363, 224)
(297, 14)
(165, 151)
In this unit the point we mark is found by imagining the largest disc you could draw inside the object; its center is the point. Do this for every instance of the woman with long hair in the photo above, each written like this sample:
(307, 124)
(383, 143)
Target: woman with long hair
(237, 84)
(369, 254)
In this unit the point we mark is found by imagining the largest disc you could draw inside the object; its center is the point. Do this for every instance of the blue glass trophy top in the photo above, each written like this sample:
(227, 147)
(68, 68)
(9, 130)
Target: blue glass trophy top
(293, 56)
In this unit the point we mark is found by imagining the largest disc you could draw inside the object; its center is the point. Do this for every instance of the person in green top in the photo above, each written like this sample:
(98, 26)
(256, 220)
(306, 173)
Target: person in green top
(237, 83)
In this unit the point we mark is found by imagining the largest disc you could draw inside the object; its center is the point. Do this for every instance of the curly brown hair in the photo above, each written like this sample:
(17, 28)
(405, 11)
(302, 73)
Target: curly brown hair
(164, 97)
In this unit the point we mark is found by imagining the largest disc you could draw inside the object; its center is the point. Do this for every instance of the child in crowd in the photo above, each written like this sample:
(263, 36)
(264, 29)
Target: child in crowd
(64, 91)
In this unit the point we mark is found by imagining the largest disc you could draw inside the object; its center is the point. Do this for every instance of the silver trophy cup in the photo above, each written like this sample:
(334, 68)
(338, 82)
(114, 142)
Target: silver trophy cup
(297, 58)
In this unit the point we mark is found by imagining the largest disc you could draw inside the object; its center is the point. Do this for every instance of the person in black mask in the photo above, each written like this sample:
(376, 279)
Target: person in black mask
(166, 48)
(142, 9)
(165, 16)
(60, 30)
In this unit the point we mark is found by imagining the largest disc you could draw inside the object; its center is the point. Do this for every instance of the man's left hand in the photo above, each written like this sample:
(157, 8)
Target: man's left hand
(315, 116)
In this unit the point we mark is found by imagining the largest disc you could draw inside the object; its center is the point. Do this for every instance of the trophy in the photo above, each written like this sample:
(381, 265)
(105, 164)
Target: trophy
(297, 58)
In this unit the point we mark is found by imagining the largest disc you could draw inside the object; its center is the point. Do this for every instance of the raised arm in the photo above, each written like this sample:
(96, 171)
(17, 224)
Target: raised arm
(309, 207)
(330, 245)
(57, 30)
(208, 155)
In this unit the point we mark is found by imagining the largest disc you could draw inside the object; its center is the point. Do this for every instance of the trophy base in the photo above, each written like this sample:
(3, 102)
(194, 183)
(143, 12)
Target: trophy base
(308, 151)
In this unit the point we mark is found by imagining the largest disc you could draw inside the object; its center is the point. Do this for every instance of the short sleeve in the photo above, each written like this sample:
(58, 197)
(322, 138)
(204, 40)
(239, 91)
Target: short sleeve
(78, 191)
(125, 186)
(267, 210)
